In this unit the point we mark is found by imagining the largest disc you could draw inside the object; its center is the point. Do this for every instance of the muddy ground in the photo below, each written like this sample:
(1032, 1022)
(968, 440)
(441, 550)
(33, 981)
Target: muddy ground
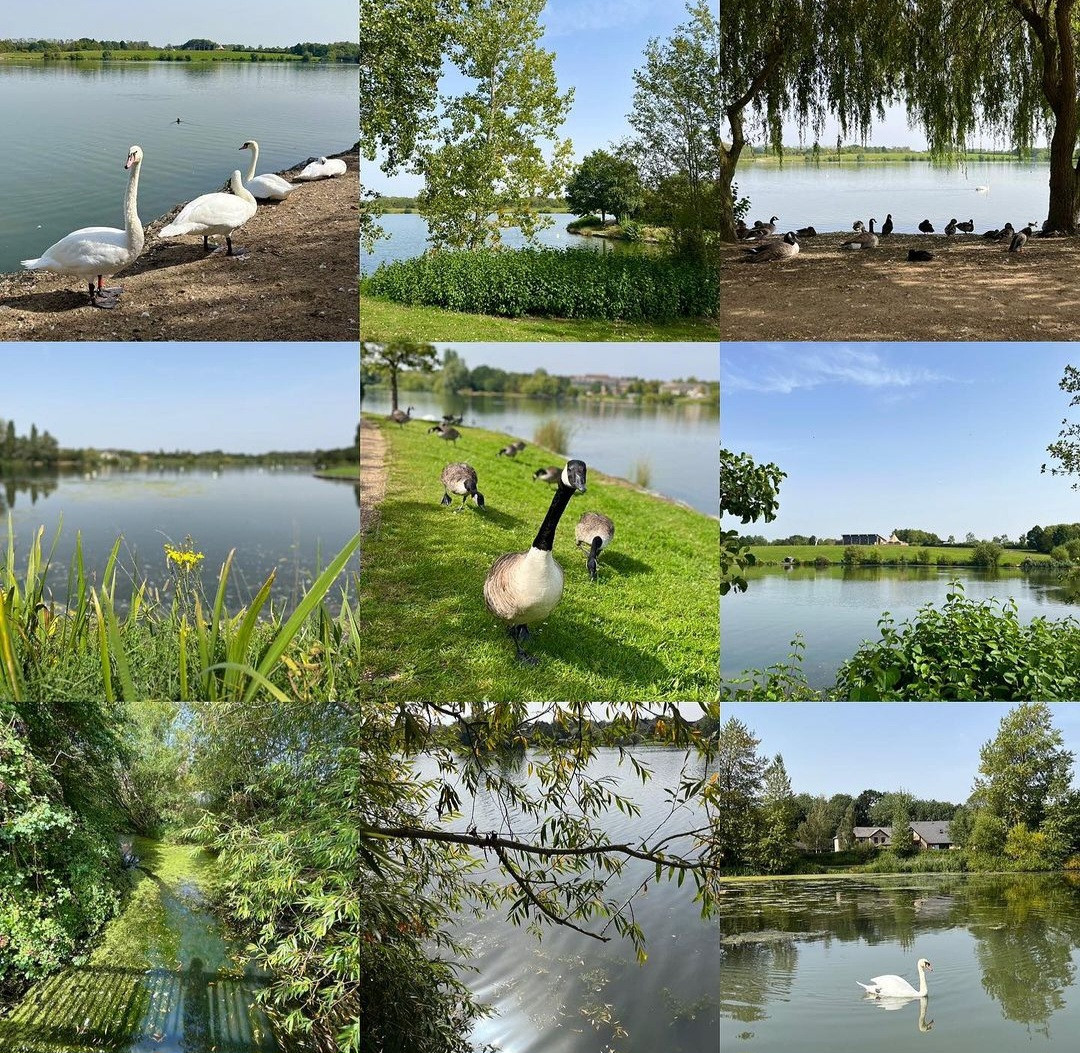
(972, 290)
(298, 281)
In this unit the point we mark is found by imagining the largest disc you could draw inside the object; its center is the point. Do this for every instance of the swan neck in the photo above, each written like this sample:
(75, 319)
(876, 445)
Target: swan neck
(254, 148)
(240, 190)
(132, 226)
(922, 982)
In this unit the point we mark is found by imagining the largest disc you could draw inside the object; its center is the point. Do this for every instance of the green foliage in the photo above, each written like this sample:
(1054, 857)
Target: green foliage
(605, 183)
(853, 555)
(986, 554)
(392, 358)
(816, 832)
(566, 283)
(749, 491)
(1066, 449)
(1030, 849)
(554, 434)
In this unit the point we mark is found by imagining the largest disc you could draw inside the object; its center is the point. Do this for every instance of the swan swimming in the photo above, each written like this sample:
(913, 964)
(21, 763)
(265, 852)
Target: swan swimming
(218, 213)
(892, 986)
(323, 169)
(100, 251)
(268, 185)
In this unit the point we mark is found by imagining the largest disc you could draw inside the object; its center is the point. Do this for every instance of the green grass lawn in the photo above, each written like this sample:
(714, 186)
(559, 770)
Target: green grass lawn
(339, 471)
(382, 320)
(648, 630)
(835, 553)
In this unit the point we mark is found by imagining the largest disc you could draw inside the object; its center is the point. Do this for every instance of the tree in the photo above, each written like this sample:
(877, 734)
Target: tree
(846, 830)
(960, 826)
(749, 491)
(902, 842)
(1066, 451)
(454, 374)
(390, 359)
(484, 163)
(1024, 770)
(676, 118)
(986, 554)
(738, 790)
(815, 832)
(774, 847)
(863, 803)
(605, 183)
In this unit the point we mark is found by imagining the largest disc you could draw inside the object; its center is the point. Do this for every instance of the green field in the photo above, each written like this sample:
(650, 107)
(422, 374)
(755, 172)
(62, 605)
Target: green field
(888, 554)
(646, 631)
(382, 320)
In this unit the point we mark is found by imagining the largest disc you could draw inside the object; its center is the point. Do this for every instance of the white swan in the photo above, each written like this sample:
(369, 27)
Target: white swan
(268, 185)
(218, 213)
(896, 986)
(323, 169)
(100, 251)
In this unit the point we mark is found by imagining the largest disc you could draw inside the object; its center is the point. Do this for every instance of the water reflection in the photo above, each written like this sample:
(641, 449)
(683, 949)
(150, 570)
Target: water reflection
(37, 484)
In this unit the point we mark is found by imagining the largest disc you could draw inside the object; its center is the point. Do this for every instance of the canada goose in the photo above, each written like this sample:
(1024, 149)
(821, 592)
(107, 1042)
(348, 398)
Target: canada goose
(1020, 238)
(519, 445)
(1006, 233)
(762, 232)
(446, 432)
(460, 479)
(992, 234)
(508, 451)
(919, 256)
(401, 419)
(926, 227)
(596, 531)
(864, 239)
(449, 418)
(858, 225)
(887, 226)
(967, 227)
(774, 250)
(548, 475)
(806, 232)
(522, 588)
(741, 230)
(950, 228)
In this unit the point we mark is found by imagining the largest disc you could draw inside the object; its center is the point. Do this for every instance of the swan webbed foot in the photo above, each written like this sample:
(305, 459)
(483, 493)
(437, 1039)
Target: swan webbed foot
(106, 299)
(234, 250)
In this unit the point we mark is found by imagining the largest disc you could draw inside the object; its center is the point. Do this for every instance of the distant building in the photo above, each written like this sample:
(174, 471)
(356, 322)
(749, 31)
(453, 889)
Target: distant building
(929, 836)
(871, 539)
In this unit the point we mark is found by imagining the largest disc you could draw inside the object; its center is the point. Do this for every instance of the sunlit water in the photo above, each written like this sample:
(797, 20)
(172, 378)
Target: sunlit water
(67, 126)
(1005, 950)
(832, 197)
(679, 442)
(836, 609)
(281, 520)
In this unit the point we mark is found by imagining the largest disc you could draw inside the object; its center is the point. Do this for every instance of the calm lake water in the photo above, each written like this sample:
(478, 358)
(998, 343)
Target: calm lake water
(275, 519)
(544, 993)
(67, 127)
(832, 197)
(837, 608)
(679, 442)
(1005, 951)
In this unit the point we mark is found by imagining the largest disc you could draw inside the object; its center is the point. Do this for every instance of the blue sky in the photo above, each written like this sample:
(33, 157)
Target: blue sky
(270, 22)
(930, 749)
(598, 44)
(243, 398)
(648, 361)
(943, 437)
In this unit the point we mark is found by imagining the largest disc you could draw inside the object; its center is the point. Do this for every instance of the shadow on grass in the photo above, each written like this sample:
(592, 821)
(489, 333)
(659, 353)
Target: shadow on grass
(624, 565)
(502, 520)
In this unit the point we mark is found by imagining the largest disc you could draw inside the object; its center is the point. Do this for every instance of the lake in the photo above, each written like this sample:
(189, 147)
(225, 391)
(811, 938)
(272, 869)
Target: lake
(67, 127)
(1005, 951)
(276, 519)
(545, 993)
(832, 197)
(678, 441)
(837, 608)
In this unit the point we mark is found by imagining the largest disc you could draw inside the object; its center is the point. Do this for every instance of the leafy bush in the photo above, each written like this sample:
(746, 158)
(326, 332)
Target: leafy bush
(852, 556)
(632, 230)
(562, 283)
(584, 222)
(554, 434)
(986, 554)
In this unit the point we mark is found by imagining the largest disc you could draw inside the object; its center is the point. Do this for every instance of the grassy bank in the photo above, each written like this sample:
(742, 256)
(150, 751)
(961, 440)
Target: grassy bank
(889, 555)
(382, 320)
(648, 630)
(348, 472)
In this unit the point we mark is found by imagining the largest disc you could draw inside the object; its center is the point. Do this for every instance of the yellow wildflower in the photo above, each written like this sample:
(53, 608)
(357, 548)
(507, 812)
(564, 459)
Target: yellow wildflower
(183, 559)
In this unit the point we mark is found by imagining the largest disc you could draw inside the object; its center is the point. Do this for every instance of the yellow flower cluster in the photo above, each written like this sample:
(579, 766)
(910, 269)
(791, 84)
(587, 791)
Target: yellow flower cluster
(182, 558)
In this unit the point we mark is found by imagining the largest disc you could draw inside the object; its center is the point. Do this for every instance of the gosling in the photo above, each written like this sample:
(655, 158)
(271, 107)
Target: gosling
(596, 531)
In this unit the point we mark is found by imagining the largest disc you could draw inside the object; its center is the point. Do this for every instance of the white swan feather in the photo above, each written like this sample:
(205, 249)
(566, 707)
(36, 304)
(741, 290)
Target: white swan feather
(323, 168)
(267, 185)
(217, 213)
(893, 986)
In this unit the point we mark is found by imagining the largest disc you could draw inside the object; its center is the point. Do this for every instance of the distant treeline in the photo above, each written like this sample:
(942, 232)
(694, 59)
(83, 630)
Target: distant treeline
(33, 448)
(546, 732)
(339, 51)
(390, 203)
(910, 535)
(856, 153)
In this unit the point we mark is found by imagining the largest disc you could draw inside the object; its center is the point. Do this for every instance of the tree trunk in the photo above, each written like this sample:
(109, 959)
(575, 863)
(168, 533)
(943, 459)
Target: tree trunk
(393, 389)
(1064, 178)
(728, 160)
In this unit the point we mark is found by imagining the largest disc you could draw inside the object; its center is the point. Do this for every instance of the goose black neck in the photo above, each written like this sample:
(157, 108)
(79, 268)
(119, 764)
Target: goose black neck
(545, 536)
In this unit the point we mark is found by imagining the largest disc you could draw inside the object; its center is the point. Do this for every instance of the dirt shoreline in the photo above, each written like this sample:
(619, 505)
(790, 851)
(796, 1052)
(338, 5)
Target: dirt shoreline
(372, 475)
(298, 281)
(973, 289)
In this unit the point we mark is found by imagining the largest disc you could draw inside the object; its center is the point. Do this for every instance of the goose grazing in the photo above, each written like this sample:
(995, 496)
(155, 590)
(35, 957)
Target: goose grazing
(460, 479)
(522, 588)
(548, 475)
(887, 226)
(217, 213)
(519, 445)
(864, 239)
(100, 251)
(763, 230)
(508, 451)
(926, 227)
(892, 986)
(806, 232)
(596, 531)
(968, 227)
(265, 186)
(446, 432)
(400, 418)
(950, 228)
(774, 250)
(323, 169)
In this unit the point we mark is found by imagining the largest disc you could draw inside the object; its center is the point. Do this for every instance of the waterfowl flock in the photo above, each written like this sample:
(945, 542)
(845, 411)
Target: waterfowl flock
(97, 253)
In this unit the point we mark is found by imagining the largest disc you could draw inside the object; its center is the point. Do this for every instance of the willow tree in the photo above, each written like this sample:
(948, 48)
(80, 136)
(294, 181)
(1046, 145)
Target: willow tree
(803, 61)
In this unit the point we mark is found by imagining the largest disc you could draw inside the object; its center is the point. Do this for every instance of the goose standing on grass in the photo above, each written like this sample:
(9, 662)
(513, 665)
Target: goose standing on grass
(548, 475)
(596, 531)
(400, 418)
(99, 252)
(218, 213)
(265, 186)
(926, 227)
(460, 479)
(887, 226)
(522, 588)
(893, 986)
(774, 250)
(446, 432)
(323, 168)
(508, 451)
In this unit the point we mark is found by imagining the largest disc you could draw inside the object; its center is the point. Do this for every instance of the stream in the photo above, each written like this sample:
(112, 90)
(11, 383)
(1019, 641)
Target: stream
(163, 977)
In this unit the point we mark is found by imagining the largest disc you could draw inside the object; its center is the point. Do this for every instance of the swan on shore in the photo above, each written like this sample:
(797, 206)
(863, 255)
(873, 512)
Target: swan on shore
(100, 251)
(893, 986)
(218, 213)
(268, 185)
(323, 168)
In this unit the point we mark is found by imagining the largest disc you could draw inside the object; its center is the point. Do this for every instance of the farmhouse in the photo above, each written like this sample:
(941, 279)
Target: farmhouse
(929, 836)
(870, 539)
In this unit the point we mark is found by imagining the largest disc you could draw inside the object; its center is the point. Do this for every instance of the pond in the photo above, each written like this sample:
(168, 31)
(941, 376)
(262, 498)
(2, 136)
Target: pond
(832, 197)
(679, 441)
(67, 127)
(838, 607)
(1004, 950)
(278, 519)
(572, 994)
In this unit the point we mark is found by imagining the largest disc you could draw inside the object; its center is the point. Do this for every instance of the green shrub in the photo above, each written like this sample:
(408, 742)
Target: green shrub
(584, 222)
(554, 434)
(633, 231)
(852, 556)
(986, 554)
(561, 283)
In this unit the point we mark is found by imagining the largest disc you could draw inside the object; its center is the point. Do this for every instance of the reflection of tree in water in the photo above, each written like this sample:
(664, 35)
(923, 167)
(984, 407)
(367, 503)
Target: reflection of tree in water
(37, 485)
(755, 974)
(196, 996)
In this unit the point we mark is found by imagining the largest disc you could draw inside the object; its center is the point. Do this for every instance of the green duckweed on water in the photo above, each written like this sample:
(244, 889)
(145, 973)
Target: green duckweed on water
(161, 978)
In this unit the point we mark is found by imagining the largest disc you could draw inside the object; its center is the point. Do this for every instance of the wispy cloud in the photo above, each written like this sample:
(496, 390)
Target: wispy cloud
(565, 17)
(785, 370)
